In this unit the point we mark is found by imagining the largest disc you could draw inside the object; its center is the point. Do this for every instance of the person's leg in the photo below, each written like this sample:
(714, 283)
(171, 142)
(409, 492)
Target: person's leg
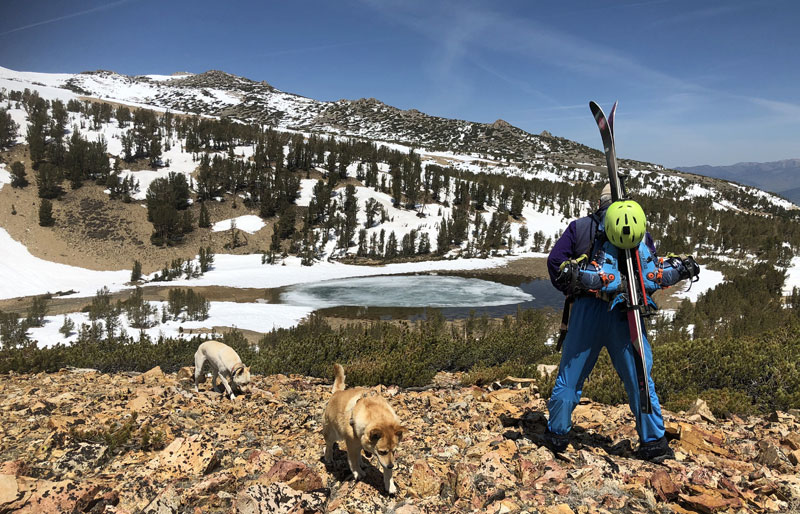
(649, 426)
(578, 356)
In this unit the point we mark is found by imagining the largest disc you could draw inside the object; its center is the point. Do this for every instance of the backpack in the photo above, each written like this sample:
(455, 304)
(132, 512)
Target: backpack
(600, 274)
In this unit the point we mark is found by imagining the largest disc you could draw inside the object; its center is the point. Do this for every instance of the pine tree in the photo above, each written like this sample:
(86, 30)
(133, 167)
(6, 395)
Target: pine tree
(18, 175)
(274, 245)
(371, 208)
(154, 150)
(523, 235)
(37, 137)
(206, 259)
(285, 225)
(48, 180)
(8, 129)
(136, 272)
(362, 243)
(397, 186)
(204, 221)
(350, 208)
(424, 244)
(37, 311)
(516, 204)
(46, 213)
(391, 246)
(187, 222)
(67, 327)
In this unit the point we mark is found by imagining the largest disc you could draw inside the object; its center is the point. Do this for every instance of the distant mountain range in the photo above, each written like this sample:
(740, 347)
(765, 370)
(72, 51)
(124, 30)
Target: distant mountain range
(782, 177)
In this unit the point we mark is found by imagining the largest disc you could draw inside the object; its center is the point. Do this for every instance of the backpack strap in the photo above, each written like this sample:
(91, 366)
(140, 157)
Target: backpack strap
(587, 231)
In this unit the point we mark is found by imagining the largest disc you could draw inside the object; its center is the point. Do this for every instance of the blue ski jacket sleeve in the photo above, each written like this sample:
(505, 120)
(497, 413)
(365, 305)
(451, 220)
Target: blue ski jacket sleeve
(571, 245)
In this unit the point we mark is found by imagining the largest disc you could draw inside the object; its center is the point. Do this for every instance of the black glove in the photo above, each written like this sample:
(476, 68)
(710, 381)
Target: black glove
(684, 268)
(568, 278)
(691, 269)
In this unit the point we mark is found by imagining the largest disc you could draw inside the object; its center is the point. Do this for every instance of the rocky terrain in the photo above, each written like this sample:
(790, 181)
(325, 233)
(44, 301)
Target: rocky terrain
(83, 441)
(218, 93)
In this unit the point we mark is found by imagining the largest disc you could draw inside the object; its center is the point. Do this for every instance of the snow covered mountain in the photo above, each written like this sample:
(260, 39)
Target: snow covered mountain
(481, 170)
(217, 93)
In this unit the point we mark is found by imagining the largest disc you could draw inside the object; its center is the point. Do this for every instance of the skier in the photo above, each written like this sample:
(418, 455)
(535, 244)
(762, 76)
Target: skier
(598, 318)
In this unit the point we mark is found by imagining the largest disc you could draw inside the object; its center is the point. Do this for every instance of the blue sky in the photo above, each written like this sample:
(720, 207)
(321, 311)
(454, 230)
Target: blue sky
(712, 82)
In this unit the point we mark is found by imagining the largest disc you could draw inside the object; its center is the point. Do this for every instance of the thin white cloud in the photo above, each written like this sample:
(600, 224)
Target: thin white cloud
(699, 14)
(67, 16)
(521, 84)
(786, 109)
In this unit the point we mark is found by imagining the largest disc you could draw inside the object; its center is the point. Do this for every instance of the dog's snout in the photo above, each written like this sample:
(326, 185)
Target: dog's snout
(390, 466)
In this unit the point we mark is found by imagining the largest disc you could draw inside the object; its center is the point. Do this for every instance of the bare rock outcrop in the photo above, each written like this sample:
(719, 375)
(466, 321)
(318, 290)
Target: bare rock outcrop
(125, 443)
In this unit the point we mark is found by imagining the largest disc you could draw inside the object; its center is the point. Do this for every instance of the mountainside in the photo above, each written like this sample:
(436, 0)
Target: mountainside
(362, 189)
(218, 93)
(782, 177)
(83, 441)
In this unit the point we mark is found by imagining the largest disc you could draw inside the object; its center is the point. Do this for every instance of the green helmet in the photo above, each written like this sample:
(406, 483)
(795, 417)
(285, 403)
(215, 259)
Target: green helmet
(625, 224)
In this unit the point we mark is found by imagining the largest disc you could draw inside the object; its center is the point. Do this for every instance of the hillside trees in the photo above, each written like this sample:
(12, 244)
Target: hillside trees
(48, 181)
(46, 213)
(36, 108)
(165, 197)
(8, 129)
(18, 175)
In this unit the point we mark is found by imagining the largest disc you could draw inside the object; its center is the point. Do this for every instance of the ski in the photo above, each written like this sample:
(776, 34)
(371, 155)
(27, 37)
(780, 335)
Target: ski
(631, 267)
(611, 118)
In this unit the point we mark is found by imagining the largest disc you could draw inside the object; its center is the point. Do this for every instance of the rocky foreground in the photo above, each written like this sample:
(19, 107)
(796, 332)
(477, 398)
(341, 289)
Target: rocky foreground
(83, 441)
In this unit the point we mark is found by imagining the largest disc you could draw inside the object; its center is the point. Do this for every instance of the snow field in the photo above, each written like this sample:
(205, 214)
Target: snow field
(22, 274)
(259, 317)
(249, 223)
(792, 276)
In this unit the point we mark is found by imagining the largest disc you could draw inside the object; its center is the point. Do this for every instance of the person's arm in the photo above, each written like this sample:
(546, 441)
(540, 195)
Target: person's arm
(648, 240)
(563, 250)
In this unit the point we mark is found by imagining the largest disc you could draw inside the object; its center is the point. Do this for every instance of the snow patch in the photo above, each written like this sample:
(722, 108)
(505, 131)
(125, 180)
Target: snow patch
(249, 223)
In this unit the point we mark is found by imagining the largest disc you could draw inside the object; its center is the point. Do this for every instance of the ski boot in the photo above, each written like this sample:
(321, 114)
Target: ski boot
(556, 443)
(655, 451)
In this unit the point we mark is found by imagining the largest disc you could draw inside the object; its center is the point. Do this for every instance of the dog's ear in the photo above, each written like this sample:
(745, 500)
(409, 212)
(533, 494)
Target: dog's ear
(400, 432)
(375, 435)
(239, 371)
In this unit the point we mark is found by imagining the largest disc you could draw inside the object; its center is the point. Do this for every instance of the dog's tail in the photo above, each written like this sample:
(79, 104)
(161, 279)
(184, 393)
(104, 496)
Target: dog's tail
(338, 383)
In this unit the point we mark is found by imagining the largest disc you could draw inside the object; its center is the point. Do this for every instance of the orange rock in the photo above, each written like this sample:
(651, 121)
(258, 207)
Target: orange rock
(186, 373)
(662, 484)
(792, 441)
(709, 503)
(8, 489)
(152, 375)
(424, 480)
(296, 475)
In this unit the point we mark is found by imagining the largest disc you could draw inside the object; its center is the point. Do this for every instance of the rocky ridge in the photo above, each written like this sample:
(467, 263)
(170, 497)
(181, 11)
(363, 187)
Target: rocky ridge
(247, 100)
(84, 441)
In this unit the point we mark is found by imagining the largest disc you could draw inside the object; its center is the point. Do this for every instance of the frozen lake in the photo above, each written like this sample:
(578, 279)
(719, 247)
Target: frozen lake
(407, 296)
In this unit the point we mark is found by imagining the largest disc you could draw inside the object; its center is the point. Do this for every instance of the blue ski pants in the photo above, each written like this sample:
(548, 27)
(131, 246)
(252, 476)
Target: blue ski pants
(592, 326)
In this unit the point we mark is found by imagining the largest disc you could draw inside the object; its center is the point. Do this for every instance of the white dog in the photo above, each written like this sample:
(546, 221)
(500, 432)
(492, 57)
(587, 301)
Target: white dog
(225, 364)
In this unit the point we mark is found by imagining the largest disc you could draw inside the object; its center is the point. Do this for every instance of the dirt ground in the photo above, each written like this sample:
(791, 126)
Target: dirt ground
(92, 231)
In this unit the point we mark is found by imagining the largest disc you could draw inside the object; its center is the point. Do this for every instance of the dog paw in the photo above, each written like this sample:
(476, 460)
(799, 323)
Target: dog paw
(359, 474)
(392, 488)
